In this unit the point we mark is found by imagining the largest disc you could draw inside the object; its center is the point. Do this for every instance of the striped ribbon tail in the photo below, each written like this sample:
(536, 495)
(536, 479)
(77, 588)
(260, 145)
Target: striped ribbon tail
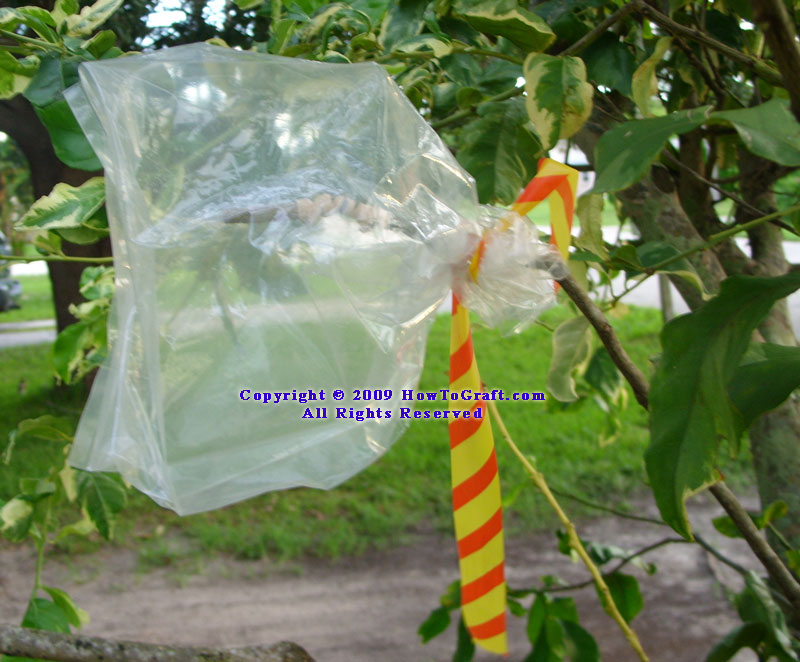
(477, 509)
(476, 498)
(557, 183)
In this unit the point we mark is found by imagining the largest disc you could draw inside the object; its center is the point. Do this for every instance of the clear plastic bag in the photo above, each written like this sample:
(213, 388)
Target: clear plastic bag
(279, 226)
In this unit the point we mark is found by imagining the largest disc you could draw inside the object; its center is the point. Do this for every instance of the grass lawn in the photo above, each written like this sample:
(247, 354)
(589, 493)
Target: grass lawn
(36, 301)
(408, 489)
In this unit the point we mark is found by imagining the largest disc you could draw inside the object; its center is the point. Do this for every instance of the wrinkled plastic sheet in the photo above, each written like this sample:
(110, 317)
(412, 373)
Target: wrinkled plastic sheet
(278, 226)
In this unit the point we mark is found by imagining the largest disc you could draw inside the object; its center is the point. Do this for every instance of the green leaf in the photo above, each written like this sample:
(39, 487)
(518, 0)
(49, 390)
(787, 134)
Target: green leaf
(644, 84)
(36, 489)
(83, 527)
(423, 43)
(248, 4)
(103, 498)
(52, 78)
(97, 283)
(690, 409)
(624, 154)
(590, 214)
(581, 646)
(755, 604)
(91, 17)
(610, 63)
(769, 130)
(67, 478)
(42, 614)
(66, 206)
(64, 8)
(536, 618)
(69, 141)
(652, 253)
(572, 342)
(773, 511)
(76, 616)
(68, 350)
(748, 635)
(603, 376)
(559, 100)
(563, 609)
(403, 20)
(47, 427)
(625, 591)
(465, 648)
(724, 525)
(436, 623)
(466, 97)
(100, 44)
(500, 150)
(554, 632)
(505, 18)
(764, 383)
(16, 73)
(16, 517)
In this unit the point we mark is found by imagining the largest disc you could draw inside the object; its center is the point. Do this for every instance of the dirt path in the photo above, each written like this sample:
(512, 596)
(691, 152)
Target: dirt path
(368, 608)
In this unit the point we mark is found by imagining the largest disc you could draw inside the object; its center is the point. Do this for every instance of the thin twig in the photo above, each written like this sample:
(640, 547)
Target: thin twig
(612, 511)
(609, 339)
(57, 258)
(714, 239)
(771, 561)
(622, 563)
(739, 201)
(778, 28)
(718, 555)
(575, 542)
(40, 644)
(595, 33)
(468, 112)
(762, 69)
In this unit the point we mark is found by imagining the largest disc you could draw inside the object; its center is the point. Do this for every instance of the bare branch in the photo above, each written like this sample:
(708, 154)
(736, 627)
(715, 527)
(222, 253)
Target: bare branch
(598, 31)
(759, 67)
(774, 20)
(606, 333)
(40, 644)
(770, 560)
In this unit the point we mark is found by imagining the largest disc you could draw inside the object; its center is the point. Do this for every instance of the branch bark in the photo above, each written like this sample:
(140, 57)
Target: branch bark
(759, 67)
(774, 20)
(606, 333)
(769, 559)
(40, 644)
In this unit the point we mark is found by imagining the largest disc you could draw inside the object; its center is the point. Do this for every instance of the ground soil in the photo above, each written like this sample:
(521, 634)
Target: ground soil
(368, 608)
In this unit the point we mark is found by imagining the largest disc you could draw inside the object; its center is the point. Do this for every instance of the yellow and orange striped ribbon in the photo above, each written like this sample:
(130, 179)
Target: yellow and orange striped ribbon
(477, 508)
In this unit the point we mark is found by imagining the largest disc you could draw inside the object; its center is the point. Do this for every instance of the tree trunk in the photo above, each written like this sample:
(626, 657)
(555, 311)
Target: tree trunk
(655, 209)
(775, 437)
(19, 121)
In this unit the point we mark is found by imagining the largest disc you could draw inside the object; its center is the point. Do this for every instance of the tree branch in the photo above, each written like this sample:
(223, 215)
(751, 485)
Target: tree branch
(469, 112)
(622, 563)
(606, 509)
(762, 69)
(595, 33)
(40, 644)
(774, 20)
(606, 333)
(769, 559)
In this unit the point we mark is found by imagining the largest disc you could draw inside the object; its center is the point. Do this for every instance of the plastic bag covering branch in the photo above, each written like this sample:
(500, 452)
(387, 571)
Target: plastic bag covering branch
(277, 225)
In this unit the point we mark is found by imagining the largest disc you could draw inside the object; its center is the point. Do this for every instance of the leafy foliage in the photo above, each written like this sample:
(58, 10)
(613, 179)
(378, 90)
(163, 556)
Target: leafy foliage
(701, 352)
(653, 91)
